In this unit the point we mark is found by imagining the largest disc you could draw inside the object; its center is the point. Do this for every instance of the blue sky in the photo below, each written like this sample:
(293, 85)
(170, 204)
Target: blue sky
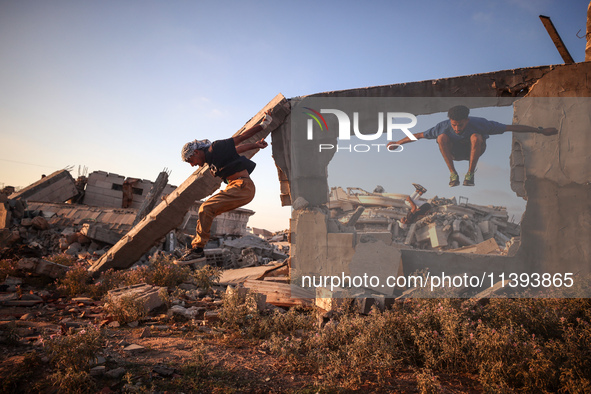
(120, 86)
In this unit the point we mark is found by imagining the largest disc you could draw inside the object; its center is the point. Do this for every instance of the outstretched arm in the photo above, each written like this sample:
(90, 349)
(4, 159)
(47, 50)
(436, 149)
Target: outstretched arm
(517, 128)
(253, 130)
(405, 140)
(262, 144)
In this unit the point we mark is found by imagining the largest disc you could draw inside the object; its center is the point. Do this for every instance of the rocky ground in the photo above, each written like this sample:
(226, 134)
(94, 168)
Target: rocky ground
(55, 343)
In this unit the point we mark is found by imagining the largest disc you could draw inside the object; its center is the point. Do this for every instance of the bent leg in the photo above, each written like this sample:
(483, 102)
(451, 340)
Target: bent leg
(445, 145)
(238, 193)
(477, 147)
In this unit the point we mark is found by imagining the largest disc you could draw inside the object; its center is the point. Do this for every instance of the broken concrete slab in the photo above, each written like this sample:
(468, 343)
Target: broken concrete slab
(257, 244)
(280, 294)
(150, 296)
(189, 313)
(98, 232)
(489, 246)
(57, 187)
(169, 213)
(240, 275)
(106, 190)
(42, 267)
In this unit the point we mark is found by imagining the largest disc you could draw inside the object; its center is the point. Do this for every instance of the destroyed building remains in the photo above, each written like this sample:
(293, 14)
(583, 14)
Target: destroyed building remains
(449, 226)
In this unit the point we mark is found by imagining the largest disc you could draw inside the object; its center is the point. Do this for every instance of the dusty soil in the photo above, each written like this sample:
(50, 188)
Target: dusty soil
(175, 356)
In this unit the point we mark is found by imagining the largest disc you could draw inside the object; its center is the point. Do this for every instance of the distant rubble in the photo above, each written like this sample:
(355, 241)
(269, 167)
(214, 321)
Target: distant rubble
(450, 226)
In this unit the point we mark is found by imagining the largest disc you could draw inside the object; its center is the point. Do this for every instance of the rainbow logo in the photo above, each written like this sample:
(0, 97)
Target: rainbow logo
(316, 115)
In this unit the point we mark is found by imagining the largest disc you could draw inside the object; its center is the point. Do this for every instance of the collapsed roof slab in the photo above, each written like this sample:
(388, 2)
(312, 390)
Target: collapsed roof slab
(170, 212)
(57, 187)
(505, 83)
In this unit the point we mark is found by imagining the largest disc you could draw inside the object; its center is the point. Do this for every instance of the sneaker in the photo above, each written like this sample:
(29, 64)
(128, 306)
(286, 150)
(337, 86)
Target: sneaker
(420, 189)
(454, 180)
(191, 256)
(469, 179)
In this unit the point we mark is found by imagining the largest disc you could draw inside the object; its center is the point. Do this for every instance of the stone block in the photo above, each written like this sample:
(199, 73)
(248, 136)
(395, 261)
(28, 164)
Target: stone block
(411, 234)
(149, 295)
(99, 233)
(42, 267)
(57, 187)
(437, 236)
(309, 242)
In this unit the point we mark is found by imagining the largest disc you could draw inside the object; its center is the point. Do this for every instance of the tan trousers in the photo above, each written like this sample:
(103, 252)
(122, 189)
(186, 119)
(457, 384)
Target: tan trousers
(238, 193)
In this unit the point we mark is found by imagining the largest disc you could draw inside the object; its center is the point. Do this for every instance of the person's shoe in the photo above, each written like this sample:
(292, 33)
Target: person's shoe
(420, 189)
(194, 255)
(454, 179)
(469, 179)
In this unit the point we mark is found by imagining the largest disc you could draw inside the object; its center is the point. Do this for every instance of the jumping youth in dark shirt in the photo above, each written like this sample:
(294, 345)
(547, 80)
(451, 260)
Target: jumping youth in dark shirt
(225, 162)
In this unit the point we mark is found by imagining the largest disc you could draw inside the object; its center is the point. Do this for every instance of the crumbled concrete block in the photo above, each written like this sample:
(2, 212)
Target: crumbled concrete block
(42, 267)
(100, 233)
(148, 294)
(437, 236)
(57, 187)
(189, 313)
(98, 370)
(300, 203)
(133, 348)
(115, 373)
(73, 249)
(39, 223)
(211, 316)
(411, 234)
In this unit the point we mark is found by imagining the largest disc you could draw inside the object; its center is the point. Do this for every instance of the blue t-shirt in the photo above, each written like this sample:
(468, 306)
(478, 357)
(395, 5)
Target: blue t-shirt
(475, 125)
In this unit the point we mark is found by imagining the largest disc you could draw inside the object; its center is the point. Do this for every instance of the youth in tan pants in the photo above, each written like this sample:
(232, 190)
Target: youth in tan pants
(225, 161)
(239, 192)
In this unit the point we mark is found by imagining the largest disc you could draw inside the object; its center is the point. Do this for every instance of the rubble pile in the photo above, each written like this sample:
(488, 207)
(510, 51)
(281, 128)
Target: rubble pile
(38, 217)
(449, 226)
(47, 233)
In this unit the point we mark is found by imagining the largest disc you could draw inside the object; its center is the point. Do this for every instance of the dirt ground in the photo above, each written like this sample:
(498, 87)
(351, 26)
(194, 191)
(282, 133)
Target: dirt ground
(173, 356)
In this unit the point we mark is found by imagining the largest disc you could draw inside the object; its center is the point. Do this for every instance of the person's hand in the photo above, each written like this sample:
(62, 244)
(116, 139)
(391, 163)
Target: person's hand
(393, 145)
(549, 131)
(262, 144)
(266, 120)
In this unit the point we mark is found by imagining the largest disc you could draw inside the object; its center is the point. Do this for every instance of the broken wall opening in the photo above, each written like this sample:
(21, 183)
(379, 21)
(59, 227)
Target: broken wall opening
(549, 163)
(368, 175)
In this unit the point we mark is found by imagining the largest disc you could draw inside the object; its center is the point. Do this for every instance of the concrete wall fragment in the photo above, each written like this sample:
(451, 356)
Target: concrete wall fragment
(105, 189)
(57, 187)
(552, 173)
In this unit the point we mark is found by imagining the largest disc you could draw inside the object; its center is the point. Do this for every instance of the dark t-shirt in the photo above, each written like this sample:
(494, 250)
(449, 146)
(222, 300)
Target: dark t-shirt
(224, 161)
(422, 211)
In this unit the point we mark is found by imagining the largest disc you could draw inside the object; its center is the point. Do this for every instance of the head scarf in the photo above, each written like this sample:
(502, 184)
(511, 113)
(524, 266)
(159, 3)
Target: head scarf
(190, 147)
